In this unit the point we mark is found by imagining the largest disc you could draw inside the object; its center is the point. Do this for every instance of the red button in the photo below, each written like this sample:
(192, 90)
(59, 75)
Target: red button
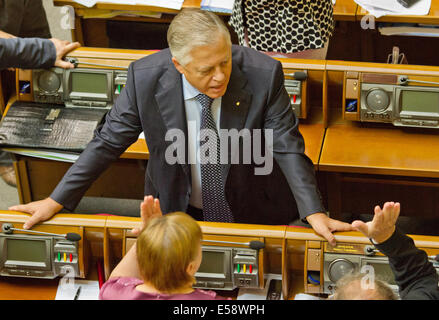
(71, 257)
(294, 98)
(250, 268)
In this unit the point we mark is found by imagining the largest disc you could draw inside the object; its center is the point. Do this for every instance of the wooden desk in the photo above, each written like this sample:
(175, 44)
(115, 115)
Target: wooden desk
(138, 150)
(431, 18)
(27, 289)
(89, 227)
(368, 165)
(375, 47)
(38, 177)
(96, 26)
(108, 237)
(345, 10)
(384, 150)
(127, 7)
(313, 135)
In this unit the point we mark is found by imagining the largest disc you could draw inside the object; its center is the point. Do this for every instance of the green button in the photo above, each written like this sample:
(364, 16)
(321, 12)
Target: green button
(239, 268)
(59, 256)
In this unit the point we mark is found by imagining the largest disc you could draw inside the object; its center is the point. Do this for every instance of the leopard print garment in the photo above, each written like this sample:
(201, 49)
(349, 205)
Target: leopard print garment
(285, 26)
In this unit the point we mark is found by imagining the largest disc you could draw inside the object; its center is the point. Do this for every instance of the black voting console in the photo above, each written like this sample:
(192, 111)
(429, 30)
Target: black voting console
(59, 109)
(44, 126)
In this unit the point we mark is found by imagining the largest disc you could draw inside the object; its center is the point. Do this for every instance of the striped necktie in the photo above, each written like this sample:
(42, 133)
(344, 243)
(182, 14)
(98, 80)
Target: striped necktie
(215, 206)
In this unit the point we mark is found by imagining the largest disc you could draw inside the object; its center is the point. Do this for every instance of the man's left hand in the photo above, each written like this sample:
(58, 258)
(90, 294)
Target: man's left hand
(325, 226)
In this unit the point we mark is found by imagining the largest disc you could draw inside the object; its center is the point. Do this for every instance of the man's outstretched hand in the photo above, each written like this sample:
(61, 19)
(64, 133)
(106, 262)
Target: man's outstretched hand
(383, 223)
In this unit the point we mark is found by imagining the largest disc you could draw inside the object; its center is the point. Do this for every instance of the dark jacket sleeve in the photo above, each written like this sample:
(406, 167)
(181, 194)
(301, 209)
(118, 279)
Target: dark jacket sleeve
(121, 128)
(289, 149)
(414, 273)
(27, 53)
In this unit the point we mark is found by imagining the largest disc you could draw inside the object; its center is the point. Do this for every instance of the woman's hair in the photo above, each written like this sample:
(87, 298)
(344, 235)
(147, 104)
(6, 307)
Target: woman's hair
(165, 248)
(194, 28)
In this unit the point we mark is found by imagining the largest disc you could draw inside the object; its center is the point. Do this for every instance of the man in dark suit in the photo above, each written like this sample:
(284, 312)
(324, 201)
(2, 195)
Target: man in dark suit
(204, 82)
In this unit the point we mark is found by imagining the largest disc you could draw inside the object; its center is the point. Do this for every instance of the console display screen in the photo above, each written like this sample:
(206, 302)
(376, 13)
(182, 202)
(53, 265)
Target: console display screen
(89, 82)
(212, 262)
(26, 250)
(420, 101)
(383, 272)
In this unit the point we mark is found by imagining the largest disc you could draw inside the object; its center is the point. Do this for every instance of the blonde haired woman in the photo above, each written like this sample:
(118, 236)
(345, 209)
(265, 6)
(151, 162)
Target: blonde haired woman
(163, 262)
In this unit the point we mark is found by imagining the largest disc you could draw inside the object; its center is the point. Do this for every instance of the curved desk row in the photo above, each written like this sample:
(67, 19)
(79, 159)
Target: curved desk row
(289, 252)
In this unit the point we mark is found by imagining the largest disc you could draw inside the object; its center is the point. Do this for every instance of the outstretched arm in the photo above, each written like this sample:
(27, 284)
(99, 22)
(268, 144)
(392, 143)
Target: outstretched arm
(128, 267)
(415, 275)
(34, 53)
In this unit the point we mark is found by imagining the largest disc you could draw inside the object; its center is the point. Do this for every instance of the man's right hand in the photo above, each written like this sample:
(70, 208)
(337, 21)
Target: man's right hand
(383, 223)
(62, 48)
(41, 210)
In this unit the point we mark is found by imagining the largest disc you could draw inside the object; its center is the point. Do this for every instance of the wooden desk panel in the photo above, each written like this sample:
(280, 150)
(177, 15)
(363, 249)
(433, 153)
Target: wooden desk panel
(138, 150)
(387, 150)
(313, 135)
(28, 289)
(345, 10)
(37, 178)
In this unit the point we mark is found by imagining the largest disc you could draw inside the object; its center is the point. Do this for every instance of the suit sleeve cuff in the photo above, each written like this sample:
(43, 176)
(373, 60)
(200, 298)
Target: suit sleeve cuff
(390, 244)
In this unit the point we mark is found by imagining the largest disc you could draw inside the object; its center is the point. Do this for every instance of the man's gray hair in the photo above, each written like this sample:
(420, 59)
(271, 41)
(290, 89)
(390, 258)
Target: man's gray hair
(193, 28)
(349, 287)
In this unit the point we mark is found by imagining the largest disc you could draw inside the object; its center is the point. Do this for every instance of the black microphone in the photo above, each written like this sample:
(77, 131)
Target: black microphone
(254, 244)
(300, 75)
(7, 228)
(73, 236)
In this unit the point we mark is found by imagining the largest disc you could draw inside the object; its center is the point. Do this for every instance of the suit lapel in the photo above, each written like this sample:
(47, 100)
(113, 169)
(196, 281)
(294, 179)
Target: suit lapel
(235, 104)
(170, 101)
